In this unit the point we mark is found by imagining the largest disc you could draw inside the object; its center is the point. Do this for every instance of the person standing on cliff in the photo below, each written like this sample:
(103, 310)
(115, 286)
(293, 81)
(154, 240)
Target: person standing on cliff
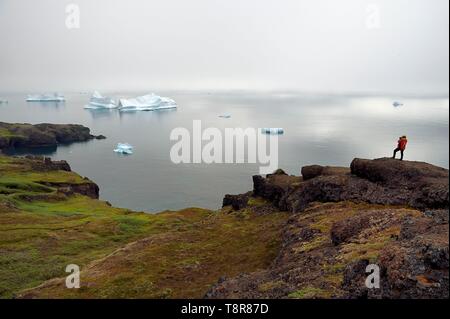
(401, 146)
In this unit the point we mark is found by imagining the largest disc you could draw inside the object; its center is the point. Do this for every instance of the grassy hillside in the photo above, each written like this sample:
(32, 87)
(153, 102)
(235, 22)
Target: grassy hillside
(121, 253)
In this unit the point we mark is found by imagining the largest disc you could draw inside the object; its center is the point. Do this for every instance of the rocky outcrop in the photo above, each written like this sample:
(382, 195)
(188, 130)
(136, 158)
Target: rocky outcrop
(39, 164)
(274, 186)
(43, 164)
(384, 212)
(416, 184)
(87, 188)
(42, 135)
(309, 172)
(327, 247)
(237, 202)
(413, 266)
(382, 181)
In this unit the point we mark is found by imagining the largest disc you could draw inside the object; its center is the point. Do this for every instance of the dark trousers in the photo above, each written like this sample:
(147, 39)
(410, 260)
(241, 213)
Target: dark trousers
(401, 152)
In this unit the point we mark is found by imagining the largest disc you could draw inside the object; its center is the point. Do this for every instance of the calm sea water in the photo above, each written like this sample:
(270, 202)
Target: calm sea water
(326, 130)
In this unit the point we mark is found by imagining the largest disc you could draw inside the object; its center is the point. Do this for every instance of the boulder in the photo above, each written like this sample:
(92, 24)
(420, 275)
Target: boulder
(274, 186)
(311, 171)
(236, 201)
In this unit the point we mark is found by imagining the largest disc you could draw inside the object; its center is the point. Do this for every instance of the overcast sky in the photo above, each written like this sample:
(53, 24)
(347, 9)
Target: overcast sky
(394, 46)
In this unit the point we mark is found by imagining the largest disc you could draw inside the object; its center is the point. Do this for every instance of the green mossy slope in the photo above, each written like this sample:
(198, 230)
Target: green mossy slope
(122, 254)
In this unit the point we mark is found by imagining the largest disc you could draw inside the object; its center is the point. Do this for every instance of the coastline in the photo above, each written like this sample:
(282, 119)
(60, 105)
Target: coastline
(50, 217)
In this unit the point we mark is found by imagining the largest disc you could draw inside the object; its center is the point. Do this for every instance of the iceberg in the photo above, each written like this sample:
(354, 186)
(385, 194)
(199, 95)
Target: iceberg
(149, 102)
(124, 148)
(2, 101)
(225, 116)
(48, 97)
(99, 101)
(397, 104)
(272, 130)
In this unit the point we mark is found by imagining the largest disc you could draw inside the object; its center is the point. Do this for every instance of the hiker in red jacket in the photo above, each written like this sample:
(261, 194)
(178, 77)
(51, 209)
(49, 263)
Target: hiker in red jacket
(401, 146)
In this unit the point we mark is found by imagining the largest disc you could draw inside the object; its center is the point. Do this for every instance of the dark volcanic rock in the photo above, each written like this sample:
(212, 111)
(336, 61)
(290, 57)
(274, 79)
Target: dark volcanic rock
(354, 279)
(274, 186)
(397, 173)
(236, 201)
(343, 230)
(279, 172)
(414, 266)
(386, 212)
(425, 184)
(410, 249)
(309, 172)
(40, 135)
(382, 181)
(312, 171)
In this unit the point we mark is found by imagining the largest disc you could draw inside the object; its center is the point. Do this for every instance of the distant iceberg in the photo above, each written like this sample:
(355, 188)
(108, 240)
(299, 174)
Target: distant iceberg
(272, 130)
(397, 104)
(149, 102)
(124, 148)
(48, 97)
(225, 116)
(3, 101)
(98, 101)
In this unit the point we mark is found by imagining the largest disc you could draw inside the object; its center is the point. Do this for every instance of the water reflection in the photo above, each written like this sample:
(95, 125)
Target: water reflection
(42, 151)
(102, 113)
(54, 104)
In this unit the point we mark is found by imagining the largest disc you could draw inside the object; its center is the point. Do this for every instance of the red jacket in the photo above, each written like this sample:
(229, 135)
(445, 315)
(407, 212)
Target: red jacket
(402, 143)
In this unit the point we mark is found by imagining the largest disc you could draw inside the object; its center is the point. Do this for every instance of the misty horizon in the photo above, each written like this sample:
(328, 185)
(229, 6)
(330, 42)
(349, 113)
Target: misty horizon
(210, 45)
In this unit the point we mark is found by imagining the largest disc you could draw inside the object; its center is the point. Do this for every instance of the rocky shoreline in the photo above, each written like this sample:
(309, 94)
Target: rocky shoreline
(42, 135)
(386, 212)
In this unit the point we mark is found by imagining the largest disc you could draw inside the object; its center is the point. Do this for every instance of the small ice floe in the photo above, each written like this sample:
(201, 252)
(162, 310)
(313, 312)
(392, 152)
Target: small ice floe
(149, 102)
(397, 104)
(272, 130)
(47, 97)
(99, 101)
(225, 116)
(124, 148)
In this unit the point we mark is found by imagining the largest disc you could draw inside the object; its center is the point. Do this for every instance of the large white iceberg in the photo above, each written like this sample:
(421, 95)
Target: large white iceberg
(99, 101)
(272, 130)
(47, 97)
(124, 148)
(149, 102)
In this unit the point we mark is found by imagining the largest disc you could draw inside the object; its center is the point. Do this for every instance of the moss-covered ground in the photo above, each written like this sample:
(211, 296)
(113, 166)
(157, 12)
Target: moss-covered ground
(122, 254)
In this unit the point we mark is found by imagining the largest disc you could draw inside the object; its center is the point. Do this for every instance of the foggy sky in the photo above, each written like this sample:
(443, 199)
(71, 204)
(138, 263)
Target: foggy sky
(308, 45)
